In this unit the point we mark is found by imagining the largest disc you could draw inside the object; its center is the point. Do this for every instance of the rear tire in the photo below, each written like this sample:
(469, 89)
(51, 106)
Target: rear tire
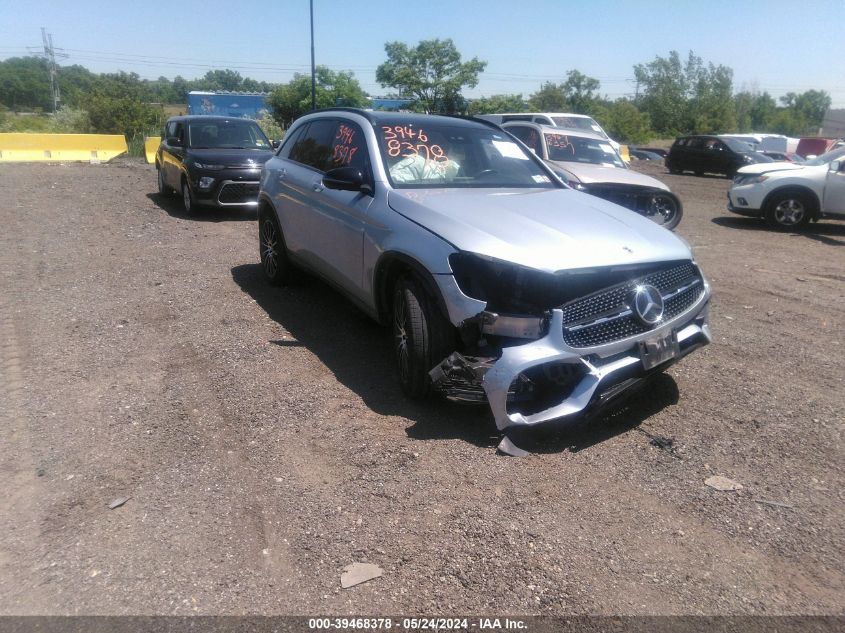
(422, 336)
(667, 210)
(789, 210)
(271, 244)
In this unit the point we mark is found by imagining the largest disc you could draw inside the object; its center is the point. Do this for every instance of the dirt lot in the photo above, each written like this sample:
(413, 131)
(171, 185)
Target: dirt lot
(264, 444)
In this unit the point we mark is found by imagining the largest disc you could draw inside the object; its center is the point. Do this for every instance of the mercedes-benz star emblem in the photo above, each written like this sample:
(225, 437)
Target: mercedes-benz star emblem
(648, 304)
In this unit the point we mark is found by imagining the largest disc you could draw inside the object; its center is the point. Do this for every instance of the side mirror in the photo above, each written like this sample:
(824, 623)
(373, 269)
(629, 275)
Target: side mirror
(346, 179)
(836, 165)
(174, 141)
(275, 144)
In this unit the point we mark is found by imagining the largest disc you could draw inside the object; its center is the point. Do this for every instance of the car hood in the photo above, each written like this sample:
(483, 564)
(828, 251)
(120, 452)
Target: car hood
(232, 157)
(765, 168)
(545, 229)
(588, 173)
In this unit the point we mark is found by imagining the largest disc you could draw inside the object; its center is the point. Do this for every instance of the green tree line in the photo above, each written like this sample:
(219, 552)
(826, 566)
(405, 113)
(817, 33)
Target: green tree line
(672, 95)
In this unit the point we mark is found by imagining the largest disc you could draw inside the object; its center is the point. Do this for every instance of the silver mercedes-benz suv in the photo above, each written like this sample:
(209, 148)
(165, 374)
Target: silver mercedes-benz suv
(500, 282)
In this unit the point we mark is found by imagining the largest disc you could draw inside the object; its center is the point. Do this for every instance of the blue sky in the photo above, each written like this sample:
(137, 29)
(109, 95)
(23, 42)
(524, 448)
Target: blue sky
(772, 45)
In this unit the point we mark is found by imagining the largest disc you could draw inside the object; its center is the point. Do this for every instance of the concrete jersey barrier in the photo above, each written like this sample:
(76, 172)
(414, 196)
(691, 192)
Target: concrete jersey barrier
(26, 147)
(151, 144)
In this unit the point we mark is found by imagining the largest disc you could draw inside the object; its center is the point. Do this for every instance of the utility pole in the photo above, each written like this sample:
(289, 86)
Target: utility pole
(50, 56)
(313, 76)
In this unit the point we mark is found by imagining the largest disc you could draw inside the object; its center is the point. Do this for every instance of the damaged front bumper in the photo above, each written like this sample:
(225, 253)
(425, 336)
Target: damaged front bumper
(546, 379)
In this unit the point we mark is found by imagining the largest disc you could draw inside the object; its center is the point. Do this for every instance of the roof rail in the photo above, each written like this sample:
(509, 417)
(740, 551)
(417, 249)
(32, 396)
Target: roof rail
(359, 111)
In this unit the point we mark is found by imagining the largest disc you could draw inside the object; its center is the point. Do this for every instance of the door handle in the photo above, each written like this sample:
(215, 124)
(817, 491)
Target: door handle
(282, 173)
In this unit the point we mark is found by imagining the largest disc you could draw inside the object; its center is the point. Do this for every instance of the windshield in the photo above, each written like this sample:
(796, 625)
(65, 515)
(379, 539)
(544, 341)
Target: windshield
(746, 143)
(825, 158)
(585, 124)
(434, 154)
(576, 149)
(741, 147)
(226, 134)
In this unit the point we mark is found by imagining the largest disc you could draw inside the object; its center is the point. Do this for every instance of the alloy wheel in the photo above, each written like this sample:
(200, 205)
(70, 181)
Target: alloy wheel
(400, 332)
(789, 212)
(269, 246)
(186, 198)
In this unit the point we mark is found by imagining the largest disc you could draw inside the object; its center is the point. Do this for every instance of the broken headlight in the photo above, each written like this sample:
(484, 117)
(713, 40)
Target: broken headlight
(507, 287)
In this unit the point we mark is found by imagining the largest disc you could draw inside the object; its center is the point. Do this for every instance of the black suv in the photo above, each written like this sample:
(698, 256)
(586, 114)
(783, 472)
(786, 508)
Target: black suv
(715, 154)
(212, 161)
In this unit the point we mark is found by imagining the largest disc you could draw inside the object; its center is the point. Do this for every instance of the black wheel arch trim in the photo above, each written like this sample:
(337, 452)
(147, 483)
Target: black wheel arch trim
(264, 202)
(814, 212)
(382, 290)
(264, 199)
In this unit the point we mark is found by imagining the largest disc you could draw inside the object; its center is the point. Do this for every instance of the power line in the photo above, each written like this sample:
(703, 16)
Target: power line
(50, 56)
(88, 55)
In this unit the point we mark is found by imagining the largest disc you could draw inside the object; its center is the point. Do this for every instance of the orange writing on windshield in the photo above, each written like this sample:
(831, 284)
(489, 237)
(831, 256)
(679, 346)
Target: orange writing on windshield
(397, 145)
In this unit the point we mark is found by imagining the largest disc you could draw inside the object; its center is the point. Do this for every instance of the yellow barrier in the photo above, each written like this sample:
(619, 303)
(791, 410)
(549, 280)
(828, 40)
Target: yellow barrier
(151, 144)
(623, 152)
(23, 147)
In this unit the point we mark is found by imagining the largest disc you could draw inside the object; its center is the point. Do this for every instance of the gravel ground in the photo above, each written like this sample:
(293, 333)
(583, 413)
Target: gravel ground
(264, 444)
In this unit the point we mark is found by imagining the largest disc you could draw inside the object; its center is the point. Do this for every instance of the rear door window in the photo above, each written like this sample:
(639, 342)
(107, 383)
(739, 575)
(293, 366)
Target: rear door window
(314, 147)
(348, 147)
(529, 136)
(290, 141)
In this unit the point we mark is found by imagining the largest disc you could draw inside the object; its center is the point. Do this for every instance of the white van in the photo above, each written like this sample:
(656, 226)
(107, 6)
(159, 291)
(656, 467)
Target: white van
(566, 120)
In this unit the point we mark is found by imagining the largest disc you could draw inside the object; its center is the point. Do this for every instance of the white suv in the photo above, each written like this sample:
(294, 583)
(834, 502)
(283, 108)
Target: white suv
(789, 195)
(500, 283)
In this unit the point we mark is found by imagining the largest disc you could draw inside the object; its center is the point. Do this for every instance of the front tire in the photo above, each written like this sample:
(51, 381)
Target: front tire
(422, 337)
(188, 202)
(789, 210)
(163, 189)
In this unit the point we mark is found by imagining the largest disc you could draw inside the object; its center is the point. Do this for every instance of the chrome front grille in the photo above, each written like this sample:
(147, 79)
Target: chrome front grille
(606, 317)
(238, 193)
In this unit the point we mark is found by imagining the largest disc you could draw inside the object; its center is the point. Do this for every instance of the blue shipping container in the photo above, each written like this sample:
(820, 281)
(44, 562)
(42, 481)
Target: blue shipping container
(250, 105)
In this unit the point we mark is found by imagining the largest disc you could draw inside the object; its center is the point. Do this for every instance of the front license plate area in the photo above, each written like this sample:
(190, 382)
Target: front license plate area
(657, 350)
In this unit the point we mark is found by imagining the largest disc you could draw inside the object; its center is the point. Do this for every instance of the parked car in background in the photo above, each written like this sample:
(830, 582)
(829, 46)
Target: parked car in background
(791, 195)
(565, 120)
(500, 283)
(788, 157)
(654, 150)
(588, 163)
(711, 154)
(212, 161)
(810, 147)
(641, 154)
